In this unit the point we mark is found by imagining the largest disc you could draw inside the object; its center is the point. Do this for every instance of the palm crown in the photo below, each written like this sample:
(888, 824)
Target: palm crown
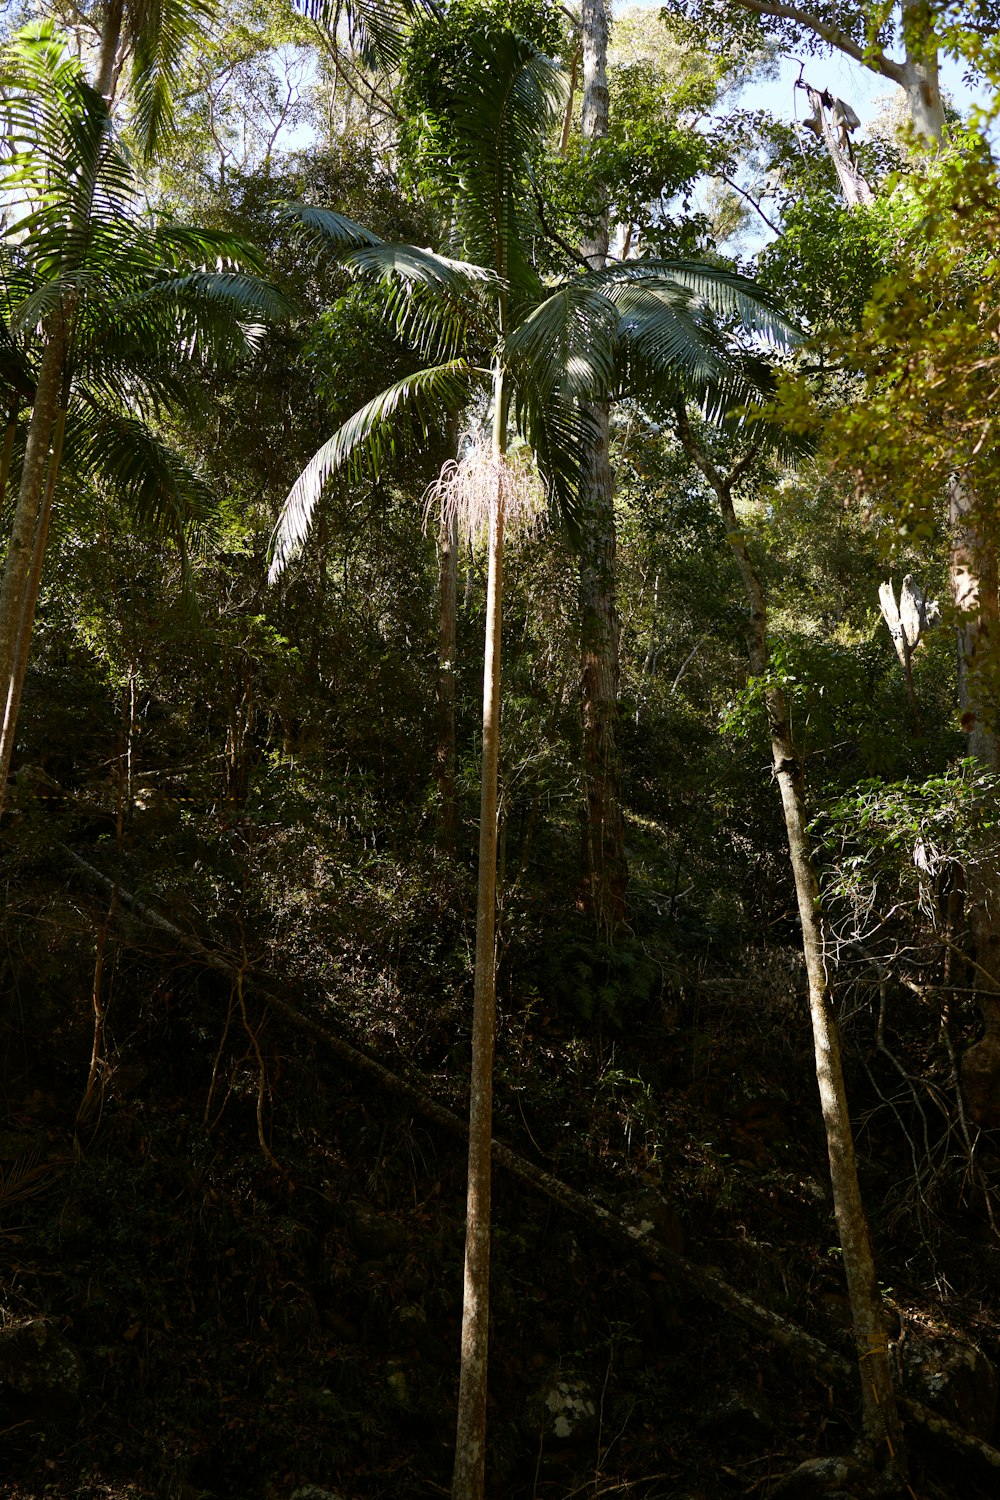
(105, 313)
(639, 327)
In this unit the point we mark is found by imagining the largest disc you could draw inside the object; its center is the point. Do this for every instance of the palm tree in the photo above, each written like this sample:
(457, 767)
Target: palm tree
(537, 355)
(110, 312)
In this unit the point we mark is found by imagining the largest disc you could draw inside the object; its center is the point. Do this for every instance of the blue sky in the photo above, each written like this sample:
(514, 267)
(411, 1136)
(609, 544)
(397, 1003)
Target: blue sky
(845, 79)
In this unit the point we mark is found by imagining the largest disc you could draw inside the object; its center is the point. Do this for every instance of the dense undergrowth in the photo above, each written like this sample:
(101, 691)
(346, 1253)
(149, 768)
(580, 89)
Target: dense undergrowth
(258, 1256)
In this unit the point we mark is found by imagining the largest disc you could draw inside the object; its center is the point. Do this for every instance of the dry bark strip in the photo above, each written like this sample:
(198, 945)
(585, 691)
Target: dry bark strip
(697, 1279)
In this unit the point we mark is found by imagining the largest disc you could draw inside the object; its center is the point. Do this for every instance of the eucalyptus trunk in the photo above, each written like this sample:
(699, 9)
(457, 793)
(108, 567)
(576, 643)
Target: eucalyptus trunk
(29, 603)
(880, 1415)
(605, 864)
(105, 78)
(20, 550)
(470, 1443)
(919, 75)
(973, 576)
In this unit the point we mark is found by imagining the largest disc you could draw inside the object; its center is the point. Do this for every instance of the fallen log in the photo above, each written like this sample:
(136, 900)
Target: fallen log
(704, 1283)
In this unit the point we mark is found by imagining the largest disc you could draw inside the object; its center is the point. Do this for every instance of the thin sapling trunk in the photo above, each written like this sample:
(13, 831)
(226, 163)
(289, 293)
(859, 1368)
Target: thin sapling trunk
(880, 1415)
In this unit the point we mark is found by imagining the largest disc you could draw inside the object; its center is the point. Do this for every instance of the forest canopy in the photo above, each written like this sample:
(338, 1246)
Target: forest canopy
(499, 628)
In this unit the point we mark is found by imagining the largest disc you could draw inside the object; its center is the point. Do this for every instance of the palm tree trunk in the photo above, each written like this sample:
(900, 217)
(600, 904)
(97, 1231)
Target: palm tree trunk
(605, 864)
(881, 1418)
(29, 603)
(13, 588)
(470, 1443)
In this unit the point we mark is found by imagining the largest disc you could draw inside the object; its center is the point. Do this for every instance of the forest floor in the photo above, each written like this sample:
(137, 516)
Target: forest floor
(256, 1253)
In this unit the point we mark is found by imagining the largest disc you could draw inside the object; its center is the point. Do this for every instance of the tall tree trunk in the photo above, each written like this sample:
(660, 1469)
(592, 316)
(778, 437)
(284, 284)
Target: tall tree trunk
(20, 549)
(605, 864)
(973, 570)
(106, 78)
(881, 1419)
(470, 1443)
(29, 603)
(919, 77)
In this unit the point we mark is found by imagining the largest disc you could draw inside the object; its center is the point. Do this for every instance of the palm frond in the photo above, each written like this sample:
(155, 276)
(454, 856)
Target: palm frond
(187, 244)
(432, 300)
(245, 297)
(665, 334)
(561, 432)
(505, 99)
(726, 293)
(325, 225)
(375, 28)
(160, 32)
(380, 430)
(568, 343)
(420, 267)
(167, 496)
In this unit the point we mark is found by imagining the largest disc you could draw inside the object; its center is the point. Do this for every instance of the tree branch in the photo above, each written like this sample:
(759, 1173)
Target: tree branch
(869, 58)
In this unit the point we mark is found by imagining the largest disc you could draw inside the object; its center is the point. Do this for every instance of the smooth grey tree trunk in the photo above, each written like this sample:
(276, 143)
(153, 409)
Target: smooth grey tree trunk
(881, 1418)
(605, 863)
(29, 603)
(106, 78)
(974, 587)
(13, 588)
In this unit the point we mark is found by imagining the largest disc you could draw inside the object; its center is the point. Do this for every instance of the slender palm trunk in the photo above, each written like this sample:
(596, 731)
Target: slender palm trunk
(470, 1443)
(29, 604)
(20, 550)
(605, 864)
(881, 1419)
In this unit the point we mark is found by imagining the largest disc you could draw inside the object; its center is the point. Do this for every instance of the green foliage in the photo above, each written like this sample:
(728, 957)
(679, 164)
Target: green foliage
(926, 350)
(828, 259)
(891, 844)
